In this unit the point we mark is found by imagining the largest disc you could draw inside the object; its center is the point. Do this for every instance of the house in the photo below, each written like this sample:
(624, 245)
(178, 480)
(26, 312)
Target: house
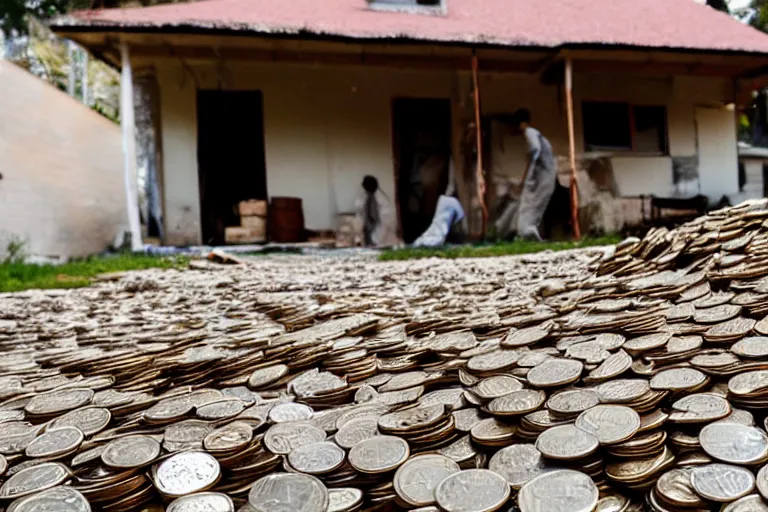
(264, 98)
(61, 171)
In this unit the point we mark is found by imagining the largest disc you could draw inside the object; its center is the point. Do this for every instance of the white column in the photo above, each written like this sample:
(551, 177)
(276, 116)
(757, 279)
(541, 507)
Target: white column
(84, 79)
(129, 147)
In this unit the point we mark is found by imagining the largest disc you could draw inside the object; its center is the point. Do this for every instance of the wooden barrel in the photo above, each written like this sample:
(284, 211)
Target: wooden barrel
(286, 220)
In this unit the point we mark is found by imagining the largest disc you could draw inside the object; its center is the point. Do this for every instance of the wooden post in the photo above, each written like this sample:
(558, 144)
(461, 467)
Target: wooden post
(572, 148)
(129, 147)
(479, 143)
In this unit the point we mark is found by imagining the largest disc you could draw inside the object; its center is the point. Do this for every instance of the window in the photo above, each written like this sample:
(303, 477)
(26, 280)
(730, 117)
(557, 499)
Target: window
(434, 7)
(624, 127)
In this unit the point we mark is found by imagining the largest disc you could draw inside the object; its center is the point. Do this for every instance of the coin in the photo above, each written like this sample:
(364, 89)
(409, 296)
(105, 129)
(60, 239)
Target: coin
(489, 491)
(555, 372)
(207, 501)
(131, 452)
(55, 402)
(378, 454)
(622, 390)
(678, 379)
(356, 430)
(558, 491)
(34, 479)
(491, 431)
(751, 503)
(518, 463)
(700, 408)
(89, 420)
(186, 473)
(316, 458)
(496, 386)
(566, 442)
(288, 492)
(266, 376)
(63, 499)
(289, 412)
(762, 481)
(722, 482)
(611, 424)
(344, 499)
(411, 419)
(228, 438)
(282, 438)
(734, 443)
(517, 403)
(572, 401)
(416, 480)
(674, 487)
(55, 443)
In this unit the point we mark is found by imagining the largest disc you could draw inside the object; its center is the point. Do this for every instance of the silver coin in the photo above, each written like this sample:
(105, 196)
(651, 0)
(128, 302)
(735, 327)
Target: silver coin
(288, 492)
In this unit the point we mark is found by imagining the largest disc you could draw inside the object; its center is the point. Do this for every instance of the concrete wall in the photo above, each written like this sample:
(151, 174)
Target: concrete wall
(62, 186)
(328, 126)
(753, 188)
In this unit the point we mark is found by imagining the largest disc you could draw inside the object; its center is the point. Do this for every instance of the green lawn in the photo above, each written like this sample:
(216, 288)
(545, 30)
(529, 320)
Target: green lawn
(75, 274)
(489, 250)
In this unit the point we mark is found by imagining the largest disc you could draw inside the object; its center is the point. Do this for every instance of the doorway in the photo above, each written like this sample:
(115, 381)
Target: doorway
(422, 155)
(230, 157)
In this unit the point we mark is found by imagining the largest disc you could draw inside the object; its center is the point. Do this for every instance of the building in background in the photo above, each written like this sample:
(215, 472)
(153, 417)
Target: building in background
(263, 98)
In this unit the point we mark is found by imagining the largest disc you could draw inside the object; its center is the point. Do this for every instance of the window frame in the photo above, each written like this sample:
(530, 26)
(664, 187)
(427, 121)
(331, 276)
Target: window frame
(405, 6)
(592, 148)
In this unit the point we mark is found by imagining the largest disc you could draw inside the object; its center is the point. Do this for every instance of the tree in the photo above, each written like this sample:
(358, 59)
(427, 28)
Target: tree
(14, 14)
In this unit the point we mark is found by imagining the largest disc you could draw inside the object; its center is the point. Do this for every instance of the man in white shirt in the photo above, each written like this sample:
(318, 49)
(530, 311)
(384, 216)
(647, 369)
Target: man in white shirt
(538, 181)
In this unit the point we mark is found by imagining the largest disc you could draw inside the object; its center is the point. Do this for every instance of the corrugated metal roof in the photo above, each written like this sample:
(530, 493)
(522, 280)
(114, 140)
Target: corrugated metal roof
(667, 24)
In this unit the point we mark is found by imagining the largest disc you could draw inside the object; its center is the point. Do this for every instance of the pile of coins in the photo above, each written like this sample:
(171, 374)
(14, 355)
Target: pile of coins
(619, 381)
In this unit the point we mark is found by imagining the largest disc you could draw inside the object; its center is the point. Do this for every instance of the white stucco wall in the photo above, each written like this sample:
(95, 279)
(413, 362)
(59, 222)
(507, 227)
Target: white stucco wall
(328, 126)
(61, 163)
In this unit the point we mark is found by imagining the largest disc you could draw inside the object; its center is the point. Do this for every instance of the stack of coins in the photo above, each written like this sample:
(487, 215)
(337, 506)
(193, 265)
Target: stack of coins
(629, 380)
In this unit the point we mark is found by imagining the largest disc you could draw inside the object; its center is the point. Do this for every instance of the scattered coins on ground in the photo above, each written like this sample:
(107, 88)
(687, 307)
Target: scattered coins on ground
(623, 379)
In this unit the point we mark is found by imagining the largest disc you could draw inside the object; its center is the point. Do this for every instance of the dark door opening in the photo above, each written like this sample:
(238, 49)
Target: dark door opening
(230, 157)
(422, 152)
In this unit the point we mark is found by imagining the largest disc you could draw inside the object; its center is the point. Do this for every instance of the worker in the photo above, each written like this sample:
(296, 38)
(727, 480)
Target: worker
(538, 183)
(379, 225)
(449, 222)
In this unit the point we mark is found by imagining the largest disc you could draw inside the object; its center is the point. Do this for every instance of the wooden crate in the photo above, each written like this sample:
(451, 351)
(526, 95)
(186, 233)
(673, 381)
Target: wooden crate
(252, 208)
(242, 235)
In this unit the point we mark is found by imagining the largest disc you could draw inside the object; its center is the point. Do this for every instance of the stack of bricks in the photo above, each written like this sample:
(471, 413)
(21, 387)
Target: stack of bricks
(253, 224)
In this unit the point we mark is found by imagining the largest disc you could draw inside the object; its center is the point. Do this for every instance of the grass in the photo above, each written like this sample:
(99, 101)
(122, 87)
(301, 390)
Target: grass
(16, 277)
(490, 250)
